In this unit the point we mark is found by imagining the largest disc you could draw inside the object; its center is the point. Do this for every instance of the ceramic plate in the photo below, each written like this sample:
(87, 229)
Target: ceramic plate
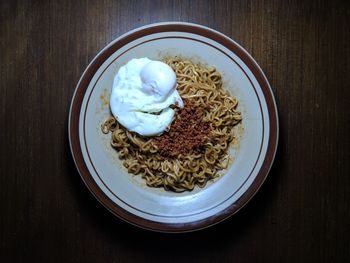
(127, 196)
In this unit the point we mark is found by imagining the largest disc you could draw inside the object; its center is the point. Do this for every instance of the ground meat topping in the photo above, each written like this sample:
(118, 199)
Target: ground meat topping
(187, 133)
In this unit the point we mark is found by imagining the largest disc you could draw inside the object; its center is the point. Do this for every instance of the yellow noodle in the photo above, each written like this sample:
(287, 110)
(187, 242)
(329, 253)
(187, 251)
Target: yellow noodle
(203, 87)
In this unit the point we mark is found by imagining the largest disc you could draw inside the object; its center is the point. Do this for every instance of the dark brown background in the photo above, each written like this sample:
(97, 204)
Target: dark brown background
(301, 213)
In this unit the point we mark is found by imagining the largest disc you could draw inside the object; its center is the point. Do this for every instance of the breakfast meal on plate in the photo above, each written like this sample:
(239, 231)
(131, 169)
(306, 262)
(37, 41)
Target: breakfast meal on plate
(172, 122)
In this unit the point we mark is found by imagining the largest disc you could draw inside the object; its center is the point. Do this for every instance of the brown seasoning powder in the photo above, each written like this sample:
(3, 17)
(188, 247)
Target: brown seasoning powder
(187, 133)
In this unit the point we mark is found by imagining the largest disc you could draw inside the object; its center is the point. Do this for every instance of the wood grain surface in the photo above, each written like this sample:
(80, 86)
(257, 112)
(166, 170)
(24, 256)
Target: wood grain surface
(302, 212)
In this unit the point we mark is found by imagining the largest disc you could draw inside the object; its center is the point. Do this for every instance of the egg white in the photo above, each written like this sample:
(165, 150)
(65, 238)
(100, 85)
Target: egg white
(141, 88)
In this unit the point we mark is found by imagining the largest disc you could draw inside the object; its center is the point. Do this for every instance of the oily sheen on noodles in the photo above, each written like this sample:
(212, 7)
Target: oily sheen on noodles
(179, 171)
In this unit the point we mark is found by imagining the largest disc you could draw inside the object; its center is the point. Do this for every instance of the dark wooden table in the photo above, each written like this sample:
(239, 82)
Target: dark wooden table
(302, 212)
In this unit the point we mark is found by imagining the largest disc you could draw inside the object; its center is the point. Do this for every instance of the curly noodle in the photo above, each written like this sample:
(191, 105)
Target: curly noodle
(203, 87)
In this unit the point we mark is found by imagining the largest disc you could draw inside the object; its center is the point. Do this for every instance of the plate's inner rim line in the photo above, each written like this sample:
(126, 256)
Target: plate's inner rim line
(150, 40)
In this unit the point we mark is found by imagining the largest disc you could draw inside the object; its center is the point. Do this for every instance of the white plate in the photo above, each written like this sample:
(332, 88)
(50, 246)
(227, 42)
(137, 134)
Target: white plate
(126, 195)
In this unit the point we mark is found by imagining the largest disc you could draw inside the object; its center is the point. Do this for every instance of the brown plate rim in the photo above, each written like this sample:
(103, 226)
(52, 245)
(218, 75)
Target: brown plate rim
(73, 125)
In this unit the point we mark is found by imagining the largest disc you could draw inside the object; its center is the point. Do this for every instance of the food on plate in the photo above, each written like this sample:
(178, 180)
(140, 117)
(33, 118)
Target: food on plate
(172, 122)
